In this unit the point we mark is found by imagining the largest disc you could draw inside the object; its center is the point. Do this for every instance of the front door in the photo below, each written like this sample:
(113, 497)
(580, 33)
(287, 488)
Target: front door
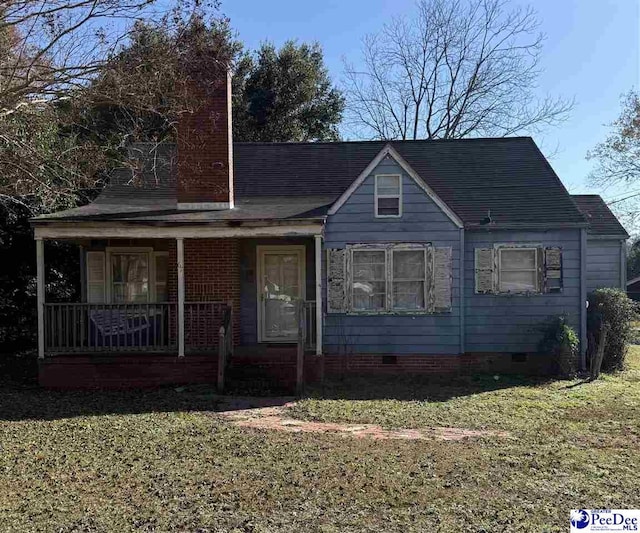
(280, 285)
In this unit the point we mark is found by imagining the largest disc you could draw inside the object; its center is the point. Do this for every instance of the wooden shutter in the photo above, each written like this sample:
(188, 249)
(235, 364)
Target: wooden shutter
(540, 263)
(96, 277)
(442, 279)
(484, 266)
(552, 280)
(160, 276)
(336, 281)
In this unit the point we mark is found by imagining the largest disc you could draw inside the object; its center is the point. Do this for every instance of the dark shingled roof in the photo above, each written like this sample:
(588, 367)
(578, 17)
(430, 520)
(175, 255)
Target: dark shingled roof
(601, 220)
(508, 177)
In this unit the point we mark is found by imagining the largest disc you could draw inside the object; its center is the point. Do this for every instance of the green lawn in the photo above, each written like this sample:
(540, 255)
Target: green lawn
(160, 461)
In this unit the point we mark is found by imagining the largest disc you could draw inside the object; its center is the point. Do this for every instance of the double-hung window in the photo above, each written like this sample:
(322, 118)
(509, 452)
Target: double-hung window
(129, 277)
(369, 280)
(409, 279)
(518, 270)
(391, 278)
(388, 195)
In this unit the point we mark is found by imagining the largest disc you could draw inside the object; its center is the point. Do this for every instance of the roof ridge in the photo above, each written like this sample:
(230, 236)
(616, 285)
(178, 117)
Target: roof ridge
(356, 141)
(385, 141)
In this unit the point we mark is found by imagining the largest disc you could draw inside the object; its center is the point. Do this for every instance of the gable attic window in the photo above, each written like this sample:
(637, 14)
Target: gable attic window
(388, 195)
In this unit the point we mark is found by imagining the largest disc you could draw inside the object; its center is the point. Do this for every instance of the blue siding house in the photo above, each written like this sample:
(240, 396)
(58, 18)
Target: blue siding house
(606, 244)
(295, 259)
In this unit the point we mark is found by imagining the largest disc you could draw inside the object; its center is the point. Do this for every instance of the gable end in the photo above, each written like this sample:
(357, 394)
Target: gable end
(389, 151)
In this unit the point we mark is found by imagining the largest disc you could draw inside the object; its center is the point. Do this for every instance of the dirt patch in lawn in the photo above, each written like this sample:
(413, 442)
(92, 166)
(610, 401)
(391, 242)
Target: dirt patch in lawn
(271, 414)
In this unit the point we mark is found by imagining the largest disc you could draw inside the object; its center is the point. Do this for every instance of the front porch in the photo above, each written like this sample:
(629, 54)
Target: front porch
(184, 310)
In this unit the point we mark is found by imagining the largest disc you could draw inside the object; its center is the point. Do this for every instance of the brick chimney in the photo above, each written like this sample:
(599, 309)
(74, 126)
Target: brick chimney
(205, 151)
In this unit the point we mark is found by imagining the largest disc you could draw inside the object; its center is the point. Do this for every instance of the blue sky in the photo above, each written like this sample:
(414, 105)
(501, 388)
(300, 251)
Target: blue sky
(591, 53)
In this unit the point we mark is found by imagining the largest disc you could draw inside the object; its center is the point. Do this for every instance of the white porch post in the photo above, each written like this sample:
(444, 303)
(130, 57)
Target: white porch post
(180, 261)
(40, 294)
(318, 250)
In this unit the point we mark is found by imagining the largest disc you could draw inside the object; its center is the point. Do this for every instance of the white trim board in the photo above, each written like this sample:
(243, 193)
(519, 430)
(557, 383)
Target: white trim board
(390, 151)
(94, 230)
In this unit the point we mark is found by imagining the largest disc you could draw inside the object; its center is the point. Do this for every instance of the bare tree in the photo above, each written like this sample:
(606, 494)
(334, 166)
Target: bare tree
(80, 78)
(617, 158)
(459, 68)
(48, 46)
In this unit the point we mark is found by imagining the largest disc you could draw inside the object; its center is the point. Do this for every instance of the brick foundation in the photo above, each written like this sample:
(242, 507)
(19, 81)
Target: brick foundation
(468, 363)
(277, 364)
(125, 371)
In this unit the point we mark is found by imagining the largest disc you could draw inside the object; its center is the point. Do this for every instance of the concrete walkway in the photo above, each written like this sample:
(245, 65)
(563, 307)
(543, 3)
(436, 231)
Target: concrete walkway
(271, 414)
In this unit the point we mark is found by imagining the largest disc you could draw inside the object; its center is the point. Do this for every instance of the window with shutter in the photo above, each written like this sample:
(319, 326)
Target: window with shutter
(518, 269)
(127, 275)
(397, 278)
(96, 278)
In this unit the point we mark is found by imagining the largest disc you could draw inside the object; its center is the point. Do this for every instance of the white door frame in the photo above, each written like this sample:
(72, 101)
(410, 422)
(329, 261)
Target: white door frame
(300, 251)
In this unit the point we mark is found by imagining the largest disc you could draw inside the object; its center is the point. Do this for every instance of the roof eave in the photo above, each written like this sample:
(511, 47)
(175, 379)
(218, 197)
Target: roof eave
(525, 226)
(608, 236)
(215, 223)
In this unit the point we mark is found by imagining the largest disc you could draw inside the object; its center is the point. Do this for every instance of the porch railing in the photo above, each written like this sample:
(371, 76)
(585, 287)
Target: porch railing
(202, 321)
(84, 327)
(143, 327)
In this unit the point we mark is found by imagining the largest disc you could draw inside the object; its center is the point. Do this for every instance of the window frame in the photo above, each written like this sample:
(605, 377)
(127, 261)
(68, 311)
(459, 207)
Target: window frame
(426, 279)
(535, 270)
(151, 262)
(355, 250)
(110, 252)
(378, 196)
(389, 250)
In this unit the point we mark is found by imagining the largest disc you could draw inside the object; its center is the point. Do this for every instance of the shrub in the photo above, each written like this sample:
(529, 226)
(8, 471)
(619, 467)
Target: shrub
(611, 306)
(561, 341)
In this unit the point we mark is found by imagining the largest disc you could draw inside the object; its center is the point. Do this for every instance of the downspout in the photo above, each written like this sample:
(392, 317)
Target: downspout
(461, 289)
(583, 299)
